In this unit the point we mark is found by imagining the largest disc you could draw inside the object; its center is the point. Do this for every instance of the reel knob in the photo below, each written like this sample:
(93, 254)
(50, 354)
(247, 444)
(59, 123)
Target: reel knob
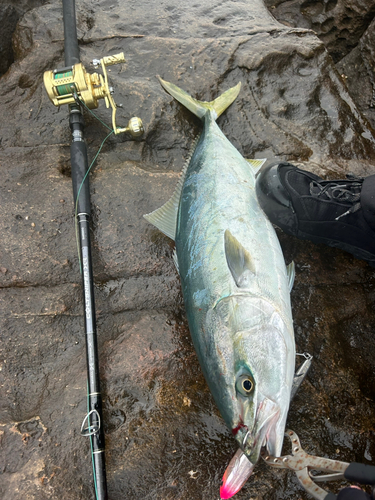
(135, 127)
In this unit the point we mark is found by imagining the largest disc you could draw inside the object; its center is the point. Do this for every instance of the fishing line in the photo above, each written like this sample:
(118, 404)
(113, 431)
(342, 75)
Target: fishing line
(83, 180)
(90, 111)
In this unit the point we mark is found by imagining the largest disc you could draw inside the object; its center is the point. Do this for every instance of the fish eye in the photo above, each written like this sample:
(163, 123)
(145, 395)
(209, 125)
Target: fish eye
(245, 385)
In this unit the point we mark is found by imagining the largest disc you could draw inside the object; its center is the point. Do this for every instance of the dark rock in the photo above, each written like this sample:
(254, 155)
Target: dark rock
(357, 68)
(347, 30)
(8, 20)
(10, 13)
(165, 439)
(338, 23)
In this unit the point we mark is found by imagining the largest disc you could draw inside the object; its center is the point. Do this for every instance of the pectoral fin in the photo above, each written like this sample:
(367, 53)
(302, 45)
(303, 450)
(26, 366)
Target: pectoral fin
(239, 261)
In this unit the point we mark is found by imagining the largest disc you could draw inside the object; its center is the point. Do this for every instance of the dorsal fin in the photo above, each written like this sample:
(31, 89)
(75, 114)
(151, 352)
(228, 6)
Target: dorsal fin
(200, 108)
(239, 261)
(165, 217)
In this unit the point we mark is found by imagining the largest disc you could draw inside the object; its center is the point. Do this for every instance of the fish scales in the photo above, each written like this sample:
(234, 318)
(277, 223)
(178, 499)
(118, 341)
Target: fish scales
(235, 284)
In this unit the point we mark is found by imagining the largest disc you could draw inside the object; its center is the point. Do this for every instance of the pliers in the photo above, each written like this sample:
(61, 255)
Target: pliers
(302, 464)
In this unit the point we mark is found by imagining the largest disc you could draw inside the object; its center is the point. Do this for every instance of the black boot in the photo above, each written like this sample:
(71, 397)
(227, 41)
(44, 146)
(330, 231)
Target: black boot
(338, 213)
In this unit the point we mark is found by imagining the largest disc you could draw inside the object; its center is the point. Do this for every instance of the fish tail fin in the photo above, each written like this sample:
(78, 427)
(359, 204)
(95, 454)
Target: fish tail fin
(200, 108)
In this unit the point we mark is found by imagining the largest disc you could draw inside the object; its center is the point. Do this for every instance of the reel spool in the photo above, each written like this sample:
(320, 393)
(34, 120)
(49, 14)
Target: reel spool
(67, 85)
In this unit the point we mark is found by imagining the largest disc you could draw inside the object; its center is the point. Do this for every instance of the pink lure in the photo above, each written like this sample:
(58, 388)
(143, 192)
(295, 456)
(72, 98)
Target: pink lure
(237, 473)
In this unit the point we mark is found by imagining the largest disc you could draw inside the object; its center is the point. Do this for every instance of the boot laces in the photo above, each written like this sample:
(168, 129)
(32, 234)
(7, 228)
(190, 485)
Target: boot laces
(340, 192)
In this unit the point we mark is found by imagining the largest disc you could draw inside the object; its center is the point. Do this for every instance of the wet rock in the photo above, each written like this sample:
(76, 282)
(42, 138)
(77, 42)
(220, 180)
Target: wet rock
(8, 19)
(346, 28)
(10, 13)
(338, 23)
(165, 438)
(358, 70)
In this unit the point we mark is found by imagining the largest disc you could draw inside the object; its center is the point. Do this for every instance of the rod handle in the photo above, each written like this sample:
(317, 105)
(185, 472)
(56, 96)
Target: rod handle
(361, 473)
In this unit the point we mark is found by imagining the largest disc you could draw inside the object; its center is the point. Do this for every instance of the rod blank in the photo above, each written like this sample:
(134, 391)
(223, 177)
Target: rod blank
(81, 193)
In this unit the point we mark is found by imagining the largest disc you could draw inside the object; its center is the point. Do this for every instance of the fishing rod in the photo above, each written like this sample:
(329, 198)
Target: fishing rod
(74, 86)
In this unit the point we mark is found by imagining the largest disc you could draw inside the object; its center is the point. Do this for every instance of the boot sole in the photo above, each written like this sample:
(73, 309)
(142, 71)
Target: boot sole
(358, 253)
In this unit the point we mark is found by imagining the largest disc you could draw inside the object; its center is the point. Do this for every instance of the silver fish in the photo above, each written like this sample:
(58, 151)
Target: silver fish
(235, 284)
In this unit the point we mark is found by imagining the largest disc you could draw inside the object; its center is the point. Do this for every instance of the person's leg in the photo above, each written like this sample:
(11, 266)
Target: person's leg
(339, 213)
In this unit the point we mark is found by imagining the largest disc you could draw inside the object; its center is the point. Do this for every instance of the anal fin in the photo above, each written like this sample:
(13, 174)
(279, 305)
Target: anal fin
(257, 164)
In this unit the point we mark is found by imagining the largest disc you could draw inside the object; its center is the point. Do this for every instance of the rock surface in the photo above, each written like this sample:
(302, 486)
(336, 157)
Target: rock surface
(165, 439)
(338, 23)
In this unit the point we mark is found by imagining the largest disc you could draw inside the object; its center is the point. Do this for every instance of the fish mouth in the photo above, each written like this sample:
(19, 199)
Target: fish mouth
(252, 442)
(263, 432)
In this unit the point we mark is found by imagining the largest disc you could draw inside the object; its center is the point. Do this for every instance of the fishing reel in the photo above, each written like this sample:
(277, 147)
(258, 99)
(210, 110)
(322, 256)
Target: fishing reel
(74, 85)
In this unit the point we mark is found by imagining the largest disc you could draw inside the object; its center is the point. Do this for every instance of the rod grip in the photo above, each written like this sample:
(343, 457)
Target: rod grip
(330, 496)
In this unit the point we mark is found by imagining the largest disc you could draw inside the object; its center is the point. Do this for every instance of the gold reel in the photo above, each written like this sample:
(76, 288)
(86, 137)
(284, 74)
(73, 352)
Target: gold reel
(64, 85)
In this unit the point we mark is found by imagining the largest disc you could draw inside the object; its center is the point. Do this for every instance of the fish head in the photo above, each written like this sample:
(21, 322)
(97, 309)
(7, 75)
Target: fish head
(250, 441)
(261, 422)
(262, 386)
(260, 428)
(250, 373)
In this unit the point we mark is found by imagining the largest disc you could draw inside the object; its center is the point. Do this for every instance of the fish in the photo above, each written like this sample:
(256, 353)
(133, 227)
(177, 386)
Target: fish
(235, 283)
